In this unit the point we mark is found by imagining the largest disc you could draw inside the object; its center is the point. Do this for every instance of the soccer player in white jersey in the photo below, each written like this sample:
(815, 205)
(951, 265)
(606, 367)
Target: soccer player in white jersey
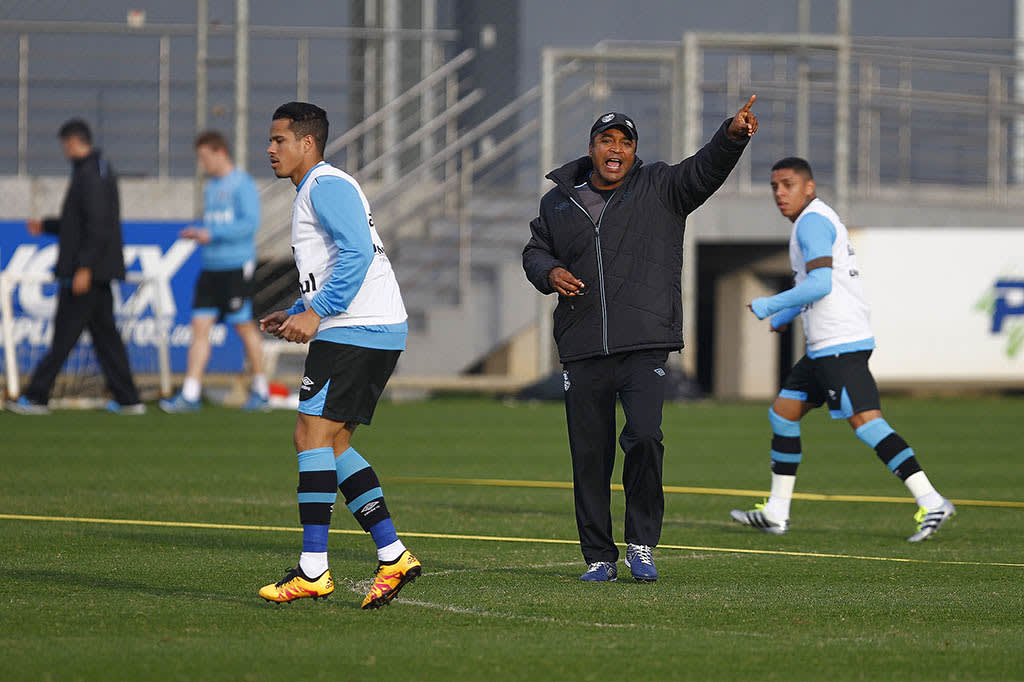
(829, 296)
(352, 315)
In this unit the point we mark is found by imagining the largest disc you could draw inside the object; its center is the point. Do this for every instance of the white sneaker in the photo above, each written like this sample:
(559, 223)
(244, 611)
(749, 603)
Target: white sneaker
(929, 521)
(756, 518)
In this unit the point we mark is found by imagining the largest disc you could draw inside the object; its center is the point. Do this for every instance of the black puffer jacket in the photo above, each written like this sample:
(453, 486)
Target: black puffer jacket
(89, 227)
(633, 293)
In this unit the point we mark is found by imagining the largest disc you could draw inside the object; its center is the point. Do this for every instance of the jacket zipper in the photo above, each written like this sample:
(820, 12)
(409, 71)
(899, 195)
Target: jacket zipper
(600, 265)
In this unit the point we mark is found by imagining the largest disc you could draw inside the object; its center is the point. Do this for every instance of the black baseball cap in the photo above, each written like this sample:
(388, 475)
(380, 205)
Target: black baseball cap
(614, 119)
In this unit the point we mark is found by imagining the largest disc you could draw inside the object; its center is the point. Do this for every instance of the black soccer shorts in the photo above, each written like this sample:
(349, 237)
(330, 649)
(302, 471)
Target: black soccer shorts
(343, 383)
(224, 293)
(844, 381)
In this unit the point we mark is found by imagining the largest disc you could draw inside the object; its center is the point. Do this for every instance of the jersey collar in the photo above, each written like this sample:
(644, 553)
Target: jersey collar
(306, 176)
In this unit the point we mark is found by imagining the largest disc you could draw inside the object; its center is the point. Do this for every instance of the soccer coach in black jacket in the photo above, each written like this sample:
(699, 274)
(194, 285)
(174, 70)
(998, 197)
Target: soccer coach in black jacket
(90, 255)
(609, 242)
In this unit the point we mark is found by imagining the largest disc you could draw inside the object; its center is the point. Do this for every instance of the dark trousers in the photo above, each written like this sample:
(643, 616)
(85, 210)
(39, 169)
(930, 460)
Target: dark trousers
(638, 379)
(93, 311)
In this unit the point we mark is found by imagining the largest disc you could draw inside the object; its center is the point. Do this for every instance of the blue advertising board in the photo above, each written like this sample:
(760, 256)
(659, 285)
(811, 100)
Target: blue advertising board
(152, 249)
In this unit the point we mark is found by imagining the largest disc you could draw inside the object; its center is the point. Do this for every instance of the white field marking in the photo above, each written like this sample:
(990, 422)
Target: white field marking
(361, 586)
(451, 608)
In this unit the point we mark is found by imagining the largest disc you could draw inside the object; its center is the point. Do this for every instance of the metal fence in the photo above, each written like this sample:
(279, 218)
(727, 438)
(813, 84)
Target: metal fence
(146, 89)
(873, 116)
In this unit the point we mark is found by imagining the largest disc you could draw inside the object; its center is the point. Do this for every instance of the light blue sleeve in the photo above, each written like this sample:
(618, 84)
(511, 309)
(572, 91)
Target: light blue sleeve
(340, 210)
(817, 285)
(246, 200)
(816, 234)
(784, 317)
(298, 307)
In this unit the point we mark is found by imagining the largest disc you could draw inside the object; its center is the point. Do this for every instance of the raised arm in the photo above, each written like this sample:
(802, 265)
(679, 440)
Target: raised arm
(689, 183)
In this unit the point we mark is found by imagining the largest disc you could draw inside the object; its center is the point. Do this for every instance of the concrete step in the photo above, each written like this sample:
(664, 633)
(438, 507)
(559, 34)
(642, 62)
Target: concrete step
(453, 337)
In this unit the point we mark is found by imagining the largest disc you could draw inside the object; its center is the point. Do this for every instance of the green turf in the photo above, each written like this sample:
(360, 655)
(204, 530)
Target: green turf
(121, 602)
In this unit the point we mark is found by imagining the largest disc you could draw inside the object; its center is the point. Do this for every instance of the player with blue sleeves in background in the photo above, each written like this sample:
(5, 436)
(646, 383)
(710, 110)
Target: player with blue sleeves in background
(829, 296)
(231, 217)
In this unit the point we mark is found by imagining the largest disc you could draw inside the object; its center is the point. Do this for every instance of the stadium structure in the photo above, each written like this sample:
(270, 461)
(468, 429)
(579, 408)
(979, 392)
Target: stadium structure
(450, 113)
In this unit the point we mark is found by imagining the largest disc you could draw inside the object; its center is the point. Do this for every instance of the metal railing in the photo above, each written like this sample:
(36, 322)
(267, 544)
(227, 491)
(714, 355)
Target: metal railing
(147, 88)
(352, 151)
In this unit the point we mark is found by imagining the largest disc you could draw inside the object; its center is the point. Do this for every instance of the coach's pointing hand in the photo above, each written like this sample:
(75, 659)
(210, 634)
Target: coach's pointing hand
(744, 123)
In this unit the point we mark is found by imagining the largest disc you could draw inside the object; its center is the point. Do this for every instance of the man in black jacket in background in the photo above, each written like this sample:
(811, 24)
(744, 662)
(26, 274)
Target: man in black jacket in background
(90, 256)
(609, 242)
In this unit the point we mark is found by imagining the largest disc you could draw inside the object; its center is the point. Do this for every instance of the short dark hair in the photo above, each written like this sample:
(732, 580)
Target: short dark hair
(307, 119)
(794, 163)
(213, 139)
(75, 127)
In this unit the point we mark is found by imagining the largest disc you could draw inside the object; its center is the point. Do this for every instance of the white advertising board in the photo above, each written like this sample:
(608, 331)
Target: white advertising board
(947, 304)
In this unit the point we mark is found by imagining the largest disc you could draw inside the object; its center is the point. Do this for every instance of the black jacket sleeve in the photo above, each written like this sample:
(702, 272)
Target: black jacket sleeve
(97, 221)
(538, 256)
(688, 184)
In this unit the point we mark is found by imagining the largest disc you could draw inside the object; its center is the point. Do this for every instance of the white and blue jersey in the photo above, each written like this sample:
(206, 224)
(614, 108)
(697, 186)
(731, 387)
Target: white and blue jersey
(231, 212)
(344, 273)
(831, 300)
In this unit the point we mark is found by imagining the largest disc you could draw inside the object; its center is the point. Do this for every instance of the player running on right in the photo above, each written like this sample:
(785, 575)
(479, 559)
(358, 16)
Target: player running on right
(828, 293)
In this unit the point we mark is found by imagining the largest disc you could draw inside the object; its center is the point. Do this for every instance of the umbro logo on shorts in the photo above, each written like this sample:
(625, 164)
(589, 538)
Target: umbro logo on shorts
(660, 372)
(565, 381)
(307, 383)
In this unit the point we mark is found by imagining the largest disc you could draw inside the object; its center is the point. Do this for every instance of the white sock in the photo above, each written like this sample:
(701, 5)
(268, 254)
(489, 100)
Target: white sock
(191, 389)
(260, 386)
(923, 491)
(313, 564)
(781, 495)
(389, 553)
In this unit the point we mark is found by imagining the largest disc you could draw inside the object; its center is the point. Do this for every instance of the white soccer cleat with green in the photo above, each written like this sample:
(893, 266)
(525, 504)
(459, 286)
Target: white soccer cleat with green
(929, 521)
(756, 518)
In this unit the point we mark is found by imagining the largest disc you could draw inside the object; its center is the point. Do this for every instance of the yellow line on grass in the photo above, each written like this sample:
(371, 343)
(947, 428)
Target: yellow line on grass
(495, 538)
(733, 492)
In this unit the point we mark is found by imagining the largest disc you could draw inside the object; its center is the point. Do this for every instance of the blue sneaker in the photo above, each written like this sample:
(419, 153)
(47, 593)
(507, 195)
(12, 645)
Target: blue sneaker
(256, 403)
(600, 572)
(118, 408)
(25, 406)
(641, 563)
(178, 404)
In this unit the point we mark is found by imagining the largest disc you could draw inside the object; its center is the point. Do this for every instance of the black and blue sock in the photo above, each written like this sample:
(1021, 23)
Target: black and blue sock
(365, 499)
(317, 495)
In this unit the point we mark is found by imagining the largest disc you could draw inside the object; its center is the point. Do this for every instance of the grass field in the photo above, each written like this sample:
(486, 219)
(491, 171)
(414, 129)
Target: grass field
(176, 599)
